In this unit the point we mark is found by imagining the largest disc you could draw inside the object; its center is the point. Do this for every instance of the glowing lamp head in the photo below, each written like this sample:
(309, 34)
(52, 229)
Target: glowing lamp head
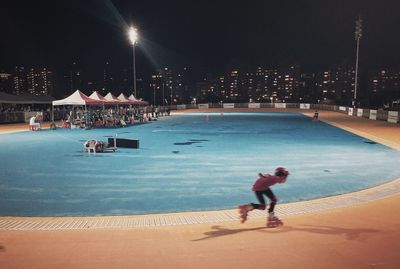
(133, 35)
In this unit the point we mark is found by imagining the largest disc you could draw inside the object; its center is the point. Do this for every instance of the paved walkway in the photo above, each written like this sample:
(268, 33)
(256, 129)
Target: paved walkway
(358, 234)
(156, 220)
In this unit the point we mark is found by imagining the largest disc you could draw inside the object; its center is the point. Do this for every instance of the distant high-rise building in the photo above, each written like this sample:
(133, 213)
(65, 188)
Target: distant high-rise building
(39, 81)
(221, 89)
(232, 82)
(336, 85)
(19, 80)
(124, 84)
(207, 90)
(73, 78)
(6, 82)
(271, 84)
(157, 85)
(90, 87)
(259, 90)
(171, 86)
(242, 83)
(237, 80)
(308, 88)
(384, 88)
(108, 80)
(183, 82)
(288, 84)
(140, 88)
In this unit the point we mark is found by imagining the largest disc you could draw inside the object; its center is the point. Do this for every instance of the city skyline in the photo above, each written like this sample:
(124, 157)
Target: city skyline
(238, 83)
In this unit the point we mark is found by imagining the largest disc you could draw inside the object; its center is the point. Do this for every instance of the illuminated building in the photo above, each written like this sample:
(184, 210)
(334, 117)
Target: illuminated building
(39, 81)
(6, 82)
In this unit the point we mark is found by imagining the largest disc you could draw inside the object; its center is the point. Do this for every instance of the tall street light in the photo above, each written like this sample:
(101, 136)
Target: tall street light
(163, 98)
(357, 36)
(154, 95)
(170, 86)
(133, 37)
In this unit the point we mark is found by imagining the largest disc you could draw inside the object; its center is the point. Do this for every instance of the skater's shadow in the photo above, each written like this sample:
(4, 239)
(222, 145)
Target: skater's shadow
(348, 233)
(219, 231)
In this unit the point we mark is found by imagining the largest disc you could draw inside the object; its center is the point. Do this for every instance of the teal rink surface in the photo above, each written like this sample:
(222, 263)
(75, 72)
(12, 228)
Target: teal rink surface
(185, 163)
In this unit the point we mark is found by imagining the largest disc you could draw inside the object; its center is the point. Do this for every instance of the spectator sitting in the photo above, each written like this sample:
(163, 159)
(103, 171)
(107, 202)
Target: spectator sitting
(33, 124)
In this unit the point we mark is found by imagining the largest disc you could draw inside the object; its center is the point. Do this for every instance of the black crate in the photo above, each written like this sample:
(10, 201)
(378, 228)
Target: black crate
(124, 143)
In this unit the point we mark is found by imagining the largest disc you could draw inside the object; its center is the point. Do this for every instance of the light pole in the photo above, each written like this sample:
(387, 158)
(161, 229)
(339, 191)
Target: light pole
(163, 99)
(357, 36)
(154, 95)
(133, 37)
(170, 86)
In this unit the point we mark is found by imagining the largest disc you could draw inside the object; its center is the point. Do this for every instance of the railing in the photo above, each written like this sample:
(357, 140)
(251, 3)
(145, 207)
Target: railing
(380, 114)
(12, 117)
(24, 116)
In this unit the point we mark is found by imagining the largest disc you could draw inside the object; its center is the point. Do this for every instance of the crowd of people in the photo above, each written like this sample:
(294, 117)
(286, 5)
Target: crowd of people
(78, 118)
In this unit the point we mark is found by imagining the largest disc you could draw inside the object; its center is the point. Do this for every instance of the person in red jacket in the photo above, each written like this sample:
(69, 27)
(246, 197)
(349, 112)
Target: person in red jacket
(260, 188)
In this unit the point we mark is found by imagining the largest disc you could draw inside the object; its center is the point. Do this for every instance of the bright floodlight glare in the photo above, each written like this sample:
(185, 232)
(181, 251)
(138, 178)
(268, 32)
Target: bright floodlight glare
(133, 35)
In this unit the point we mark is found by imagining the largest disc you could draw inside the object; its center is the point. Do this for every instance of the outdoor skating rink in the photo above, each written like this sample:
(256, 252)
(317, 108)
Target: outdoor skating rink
(358, 233)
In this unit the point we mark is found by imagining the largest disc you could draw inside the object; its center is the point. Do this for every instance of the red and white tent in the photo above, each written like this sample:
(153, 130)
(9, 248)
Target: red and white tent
(125, 99)
(137, 101)
(97, 96)
(111, 99)
(77, 98)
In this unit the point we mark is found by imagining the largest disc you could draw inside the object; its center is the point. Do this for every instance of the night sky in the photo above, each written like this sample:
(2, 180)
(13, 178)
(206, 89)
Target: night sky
(201, 34)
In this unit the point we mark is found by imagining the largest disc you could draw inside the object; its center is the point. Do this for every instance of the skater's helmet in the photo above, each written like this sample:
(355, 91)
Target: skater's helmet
(281, 171)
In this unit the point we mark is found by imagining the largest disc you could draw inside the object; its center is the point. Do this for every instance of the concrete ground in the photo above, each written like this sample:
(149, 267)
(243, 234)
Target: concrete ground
(364, 235)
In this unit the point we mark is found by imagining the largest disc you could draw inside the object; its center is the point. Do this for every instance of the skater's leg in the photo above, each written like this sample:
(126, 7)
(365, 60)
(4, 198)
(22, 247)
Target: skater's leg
(272, 220)
(244, 209)
(273, 200)
(243, 212)
(261, 200)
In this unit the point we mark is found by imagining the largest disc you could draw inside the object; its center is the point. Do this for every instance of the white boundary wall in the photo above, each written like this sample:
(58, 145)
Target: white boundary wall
(390, 116)
(350, 113)
(229, 105)
(280, 105)
(304, 106)
(393, 116)
(203, 106)
(254, 105)
(373, 114)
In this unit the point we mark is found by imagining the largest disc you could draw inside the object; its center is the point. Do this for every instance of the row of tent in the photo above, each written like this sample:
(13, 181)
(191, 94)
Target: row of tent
(79, 98)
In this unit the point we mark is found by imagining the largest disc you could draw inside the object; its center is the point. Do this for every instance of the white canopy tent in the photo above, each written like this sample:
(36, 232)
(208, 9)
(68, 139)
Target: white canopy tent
(125, 99)
(113, 100)
(77, 98)
(97, 96)
(137, 101)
